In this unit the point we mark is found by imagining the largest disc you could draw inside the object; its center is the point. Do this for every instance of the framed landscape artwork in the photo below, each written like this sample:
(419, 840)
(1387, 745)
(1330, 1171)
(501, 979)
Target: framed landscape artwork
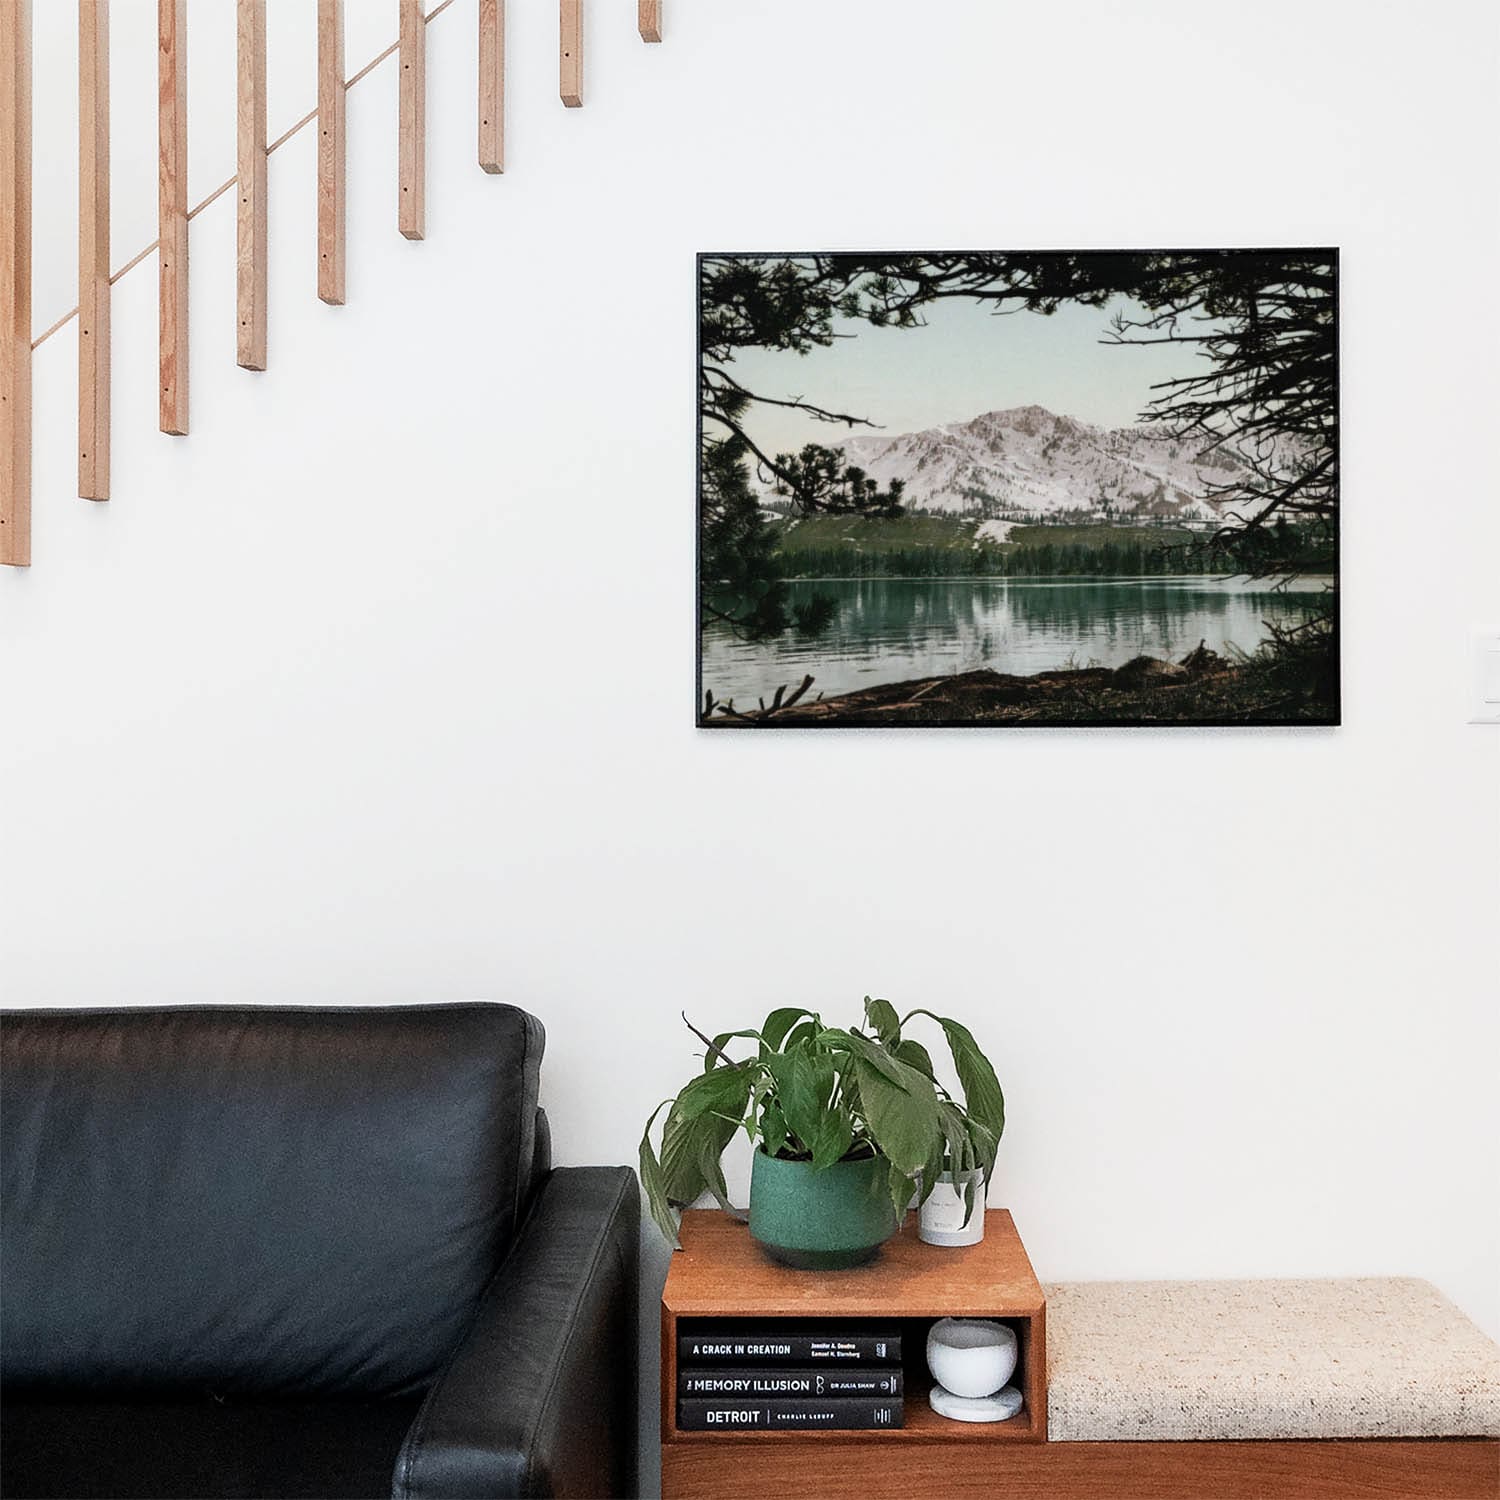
(1018, 488)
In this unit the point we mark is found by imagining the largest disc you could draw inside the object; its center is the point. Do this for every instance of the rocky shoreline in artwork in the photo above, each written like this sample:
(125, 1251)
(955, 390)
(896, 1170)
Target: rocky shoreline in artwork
(1202, 688)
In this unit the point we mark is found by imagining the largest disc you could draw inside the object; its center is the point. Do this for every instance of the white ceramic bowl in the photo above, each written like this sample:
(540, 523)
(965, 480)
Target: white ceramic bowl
(971, 1356)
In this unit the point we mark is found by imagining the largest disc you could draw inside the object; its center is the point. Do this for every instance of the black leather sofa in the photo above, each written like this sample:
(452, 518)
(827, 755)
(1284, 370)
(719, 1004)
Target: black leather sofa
(304, 1252)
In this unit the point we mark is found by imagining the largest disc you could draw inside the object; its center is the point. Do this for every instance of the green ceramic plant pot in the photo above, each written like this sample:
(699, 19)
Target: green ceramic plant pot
(821, 1221)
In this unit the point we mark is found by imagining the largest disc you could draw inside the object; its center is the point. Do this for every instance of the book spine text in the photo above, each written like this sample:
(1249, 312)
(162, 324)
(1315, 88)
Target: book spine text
(848, 1413)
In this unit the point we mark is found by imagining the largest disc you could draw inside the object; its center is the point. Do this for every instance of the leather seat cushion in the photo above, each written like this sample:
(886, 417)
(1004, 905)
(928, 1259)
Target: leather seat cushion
(325, 1449)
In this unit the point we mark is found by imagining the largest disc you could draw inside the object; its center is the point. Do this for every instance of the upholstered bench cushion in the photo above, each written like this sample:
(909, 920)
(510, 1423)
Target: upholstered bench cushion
(1161, 1360)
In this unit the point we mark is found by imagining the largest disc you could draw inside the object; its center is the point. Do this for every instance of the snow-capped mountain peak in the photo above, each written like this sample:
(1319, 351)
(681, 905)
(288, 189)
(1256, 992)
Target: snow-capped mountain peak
(1028, 462)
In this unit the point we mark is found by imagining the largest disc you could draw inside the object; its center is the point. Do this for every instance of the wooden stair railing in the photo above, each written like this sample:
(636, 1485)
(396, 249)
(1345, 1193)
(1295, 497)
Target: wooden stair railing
(570, 52)
(411, 215)
(15, 283)
(492, 85)
(93, 252)
(252, 153)
(251, 223)
(330, 118)
(172, 213)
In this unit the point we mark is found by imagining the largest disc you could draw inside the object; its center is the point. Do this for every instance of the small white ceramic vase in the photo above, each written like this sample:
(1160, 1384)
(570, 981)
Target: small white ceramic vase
(940, 1220)
(971, 1357)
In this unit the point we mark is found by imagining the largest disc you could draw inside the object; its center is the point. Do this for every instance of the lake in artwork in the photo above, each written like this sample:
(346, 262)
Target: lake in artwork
(889, 630)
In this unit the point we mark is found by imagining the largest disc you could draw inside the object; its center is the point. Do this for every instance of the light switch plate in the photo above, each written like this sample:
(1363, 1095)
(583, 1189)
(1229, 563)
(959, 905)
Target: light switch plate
(1484, 649)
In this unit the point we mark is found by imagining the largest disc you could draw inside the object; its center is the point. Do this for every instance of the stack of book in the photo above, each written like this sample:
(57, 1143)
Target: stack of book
(825, 1377)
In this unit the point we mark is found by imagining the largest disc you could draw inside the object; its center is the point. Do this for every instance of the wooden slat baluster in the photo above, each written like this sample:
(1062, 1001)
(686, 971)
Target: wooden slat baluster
(15, 282)
(492, 85)
(331, 151)
(93, 249)
(251, 225)
(412, 212)
(570, 52)
(648, 20)
(172, 213)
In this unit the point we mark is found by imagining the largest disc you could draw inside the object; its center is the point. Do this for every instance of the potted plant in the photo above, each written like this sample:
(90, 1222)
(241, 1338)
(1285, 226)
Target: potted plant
(846, 1125)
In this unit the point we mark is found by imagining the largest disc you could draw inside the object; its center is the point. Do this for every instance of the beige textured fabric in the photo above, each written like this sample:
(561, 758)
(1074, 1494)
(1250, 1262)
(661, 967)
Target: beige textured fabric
(1154, 1360)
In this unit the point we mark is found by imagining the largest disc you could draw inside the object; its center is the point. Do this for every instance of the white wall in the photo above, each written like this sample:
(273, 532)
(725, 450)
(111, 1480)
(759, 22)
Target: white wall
(379, 686)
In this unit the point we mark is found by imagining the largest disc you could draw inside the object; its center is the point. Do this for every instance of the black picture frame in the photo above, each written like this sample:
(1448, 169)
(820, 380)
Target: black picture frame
(1332, 718)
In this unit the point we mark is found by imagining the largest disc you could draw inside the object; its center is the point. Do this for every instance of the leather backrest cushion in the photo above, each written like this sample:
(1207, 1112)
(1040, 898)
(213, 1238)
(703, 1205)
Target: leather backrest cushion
(256, 1200)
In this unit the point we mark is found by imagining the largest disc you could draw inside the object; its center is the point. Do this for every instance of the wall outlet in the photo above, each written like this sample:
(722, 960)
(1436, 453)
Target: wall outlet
(1484, 648)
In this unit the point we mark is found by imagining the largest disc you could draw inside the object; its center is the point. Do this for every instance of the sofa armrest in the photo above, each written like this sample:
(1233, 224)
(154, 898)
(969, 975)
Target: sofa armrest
(540, 1398)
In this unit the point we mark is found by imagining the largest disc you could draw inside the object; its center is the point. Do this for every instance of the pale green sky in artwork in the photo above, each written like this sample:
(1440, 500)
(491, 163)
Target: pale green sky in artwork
(964, 362)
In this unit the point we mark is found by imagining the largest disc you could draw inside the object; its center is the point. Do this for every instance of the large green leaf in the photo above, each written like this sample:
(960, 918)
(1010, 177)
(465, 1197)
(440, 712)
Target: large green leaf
(914, 1055)
(832, 1139)
(773, 1128)
(779, 1023)
(902, 1116)
(723, 1091)
(709, 1151)
(762, 1086)
(849, 1098)
(682, 1177)
(804, 1087)
(873, 1055)
(900, 1185)
(654, 1182)
(700, 1132)
(982, 1095)
(969, 1146)
(932, 1169)
(882, 1018)
(985, 1145)
(803, 1031)
(958, 1149)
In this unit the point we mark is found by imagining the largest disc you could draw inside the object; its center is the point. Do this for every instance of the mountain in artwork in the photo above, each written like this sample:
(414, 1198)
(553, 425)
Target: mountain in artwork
(1028, 462)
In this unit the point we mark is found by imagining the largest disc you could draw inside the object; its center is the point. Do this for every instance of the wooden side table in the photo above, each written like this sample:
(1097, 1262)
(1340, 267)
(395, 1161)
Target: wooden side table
(721, 1273)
